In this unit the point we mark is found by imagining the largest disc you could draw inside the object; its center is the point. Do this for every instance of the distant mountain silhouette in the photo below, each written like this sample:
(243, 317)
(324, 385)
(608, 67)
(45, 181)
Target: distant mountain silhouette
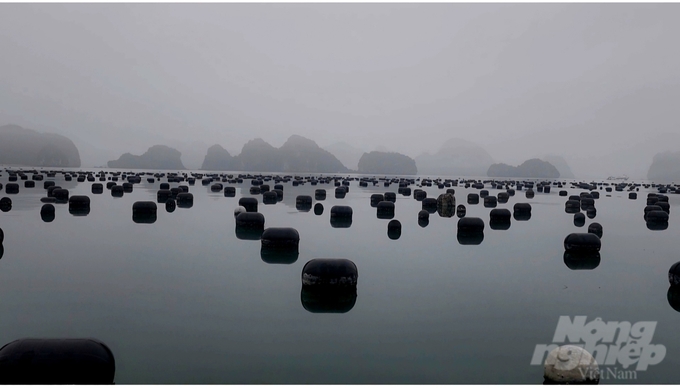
(456, 157)
(347, 154)
(561, 164)
(665, 167)
(377, 162)
(298, 154)
(157, 157)
(217, 159)
(533, 168)
(23, 147)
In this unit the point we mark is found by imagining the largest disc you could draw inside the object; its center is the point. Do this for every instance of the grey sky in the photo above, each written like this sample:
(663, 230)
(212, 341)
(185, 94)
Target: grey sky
(522, 80)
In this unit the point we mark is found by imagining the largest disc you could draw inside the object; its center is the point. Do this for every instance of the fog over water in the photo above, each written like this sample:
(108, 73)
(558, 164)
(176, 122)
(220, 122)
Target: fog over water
(595, 83)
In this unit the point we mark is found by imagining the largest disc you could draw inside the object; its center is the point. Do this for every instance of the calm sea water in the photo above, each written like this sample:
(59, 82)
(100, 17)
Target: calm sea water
(183, 300)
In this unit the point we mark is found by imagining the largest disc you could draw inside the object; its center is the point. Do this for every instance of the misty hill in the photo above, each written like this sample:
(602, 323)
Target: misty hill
(378, 162)
(347, 154)
(217, 159)
(304, 155)
(456, 157)
(297, 154)
(665, 167)
(23, 147)
(156, 157)
(533, 168)
(561, 164)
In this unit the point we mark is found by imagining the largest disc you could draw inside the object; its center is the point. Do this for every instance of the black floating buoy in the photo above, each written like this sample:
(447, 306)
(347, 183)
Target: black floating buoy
(252, 220)
(522, 211)
(144, 212)
(270, 197)
(249, 203)
(116, 191)
(473, 198)
(2, 233)
(170, 206)
(340, 192)
(79, 205)
(341, 216)
(280, 237)
(656, 217)
(229, 191)
(185, 200)
(12, 188)
(394, 229)
(673, 296)
(385, 210)
(470, 225)
(330, 272)
(328, 299)
(490, 202)
(579, 219)
(61, 195)
(582, 242)
(5, 204)
(581, 260)
(595, 228)
(56, 362)
(303, 203)
(320, 194)
(318, 209)
(376, 198)
(429, 204)
(461, 211)
(673, 273)
(499, 219)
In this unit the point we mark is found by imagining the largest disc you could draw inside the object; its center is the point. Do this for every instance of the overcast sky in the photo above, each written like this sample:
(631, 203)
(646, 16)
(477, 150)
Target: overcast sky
(518, 79)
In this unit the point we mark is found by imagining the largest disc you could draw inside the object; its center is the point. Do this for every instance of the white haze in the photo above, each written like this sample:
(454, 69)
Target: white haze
(595, 83)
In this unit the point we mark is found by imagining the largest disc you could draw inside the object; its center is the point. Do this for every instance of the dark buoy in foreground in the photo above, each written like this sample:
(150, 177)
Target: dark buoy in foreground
(674, 274)
(280, 245)
(330, 272)
(56, 362)
(303, 203)
(576, 260)
(385, 210)
(328, 299)
(579, 219)
(5, 204)
(318, 209)
(522, 211)
(185, 200)
(394, 229)
(673, 296)
(170, 206)
(79, 205)
(461, 211)
(2, 234)
(570, 365)
(252, 220)
(144, 212)
(341, 216)
(429, 204)
(280, 237)
(499, 219)
(46, 214)
(582, 242)
(470, 231)
(595, 228)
